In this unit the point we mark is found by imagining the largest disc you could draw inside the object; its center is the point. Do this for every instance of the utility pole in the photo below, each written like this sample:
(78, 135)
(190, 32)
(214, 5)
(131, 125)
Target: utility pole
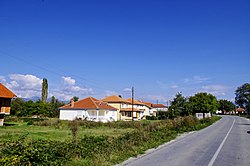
(132, 103)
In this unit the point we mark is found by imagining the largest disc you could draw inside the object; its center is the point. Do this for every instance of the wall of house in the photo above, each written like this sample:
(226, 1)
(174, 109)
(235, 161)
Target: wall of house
(118, 106)
(93, 115)
(5, 105)
(68, 114)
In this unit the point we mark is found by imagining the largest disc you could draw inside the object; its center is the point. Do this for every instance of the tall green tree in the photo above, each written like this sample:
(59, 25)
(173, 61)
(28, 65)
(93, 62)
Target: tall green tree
(179, 106)
(226, 106)
(242, 98)
(203, 103)
(55, 104)
(44, 90)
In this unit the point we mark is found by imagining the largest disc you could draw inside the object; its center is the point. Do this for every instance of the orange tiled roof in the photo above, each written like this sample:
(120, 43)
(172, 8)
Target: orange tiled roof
(159, 106)
(150, 105)
(240, 109)
(135, 101)
(5, 92)
(89, 103)
(114, 99)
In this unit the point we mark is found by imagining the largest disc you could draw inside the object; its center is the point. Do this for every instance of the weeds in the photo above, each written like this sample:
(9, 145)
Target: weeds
(96, 150)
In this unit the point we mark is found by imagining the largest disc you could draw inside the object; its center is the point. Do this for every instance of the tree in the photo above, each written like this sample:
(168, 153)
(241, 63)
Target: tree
(55, 104)
(179, 106)
(242, 98)
(75, 98)
(226, 106)
(17, 107)
(44, 90)
(203, 103)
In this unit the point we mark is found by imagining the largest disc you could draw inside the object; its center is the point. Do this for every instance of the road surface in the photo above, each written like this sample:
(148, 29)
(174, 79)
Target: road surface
(225, 143)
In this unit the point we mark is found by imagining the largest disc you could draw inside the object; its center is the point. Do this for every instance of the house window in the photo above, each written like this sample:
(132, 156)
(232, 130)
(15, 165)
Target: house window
(128, 114)
(92, 112)
(101, 113)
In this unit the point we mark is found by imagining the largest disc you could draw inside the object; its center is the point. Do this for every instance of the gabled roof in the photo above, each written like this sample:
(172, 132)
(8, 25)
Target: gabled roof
(159, 106)
(240, 109)
(150, 105)
(89, 103)
(5, 92)
(135, 102)
(114, 99)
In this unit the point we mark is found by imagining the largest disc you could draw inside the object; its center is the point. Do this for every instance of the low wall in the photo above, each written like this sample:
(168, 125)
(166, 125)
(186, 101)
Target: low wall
(200, 115)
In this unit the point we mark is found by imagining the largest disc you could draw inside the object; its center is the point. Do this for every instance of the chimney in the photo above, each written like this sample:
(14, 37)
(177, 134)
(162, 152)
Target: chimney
(72, 103)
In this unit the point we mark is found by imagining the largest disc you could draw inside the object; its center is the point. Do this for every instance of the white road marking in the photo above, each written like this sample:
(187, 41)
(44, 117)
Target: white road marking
(218, 150)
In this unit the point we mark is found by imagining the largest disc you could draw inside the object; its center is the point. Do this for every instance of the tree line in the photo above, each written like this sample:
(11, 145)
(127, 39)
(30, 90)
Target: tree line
(20, 107)
(180, 106)
(205, 102)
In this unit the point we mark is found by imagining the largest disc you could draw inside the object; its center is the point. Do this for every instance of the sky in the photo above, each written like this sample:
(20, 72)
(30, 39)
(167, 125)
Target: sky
(99, 48)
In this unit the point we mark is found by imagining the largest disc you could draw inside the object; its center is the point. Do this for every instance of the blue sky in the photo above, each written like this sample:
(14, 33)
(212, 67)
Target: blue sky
(100, 48)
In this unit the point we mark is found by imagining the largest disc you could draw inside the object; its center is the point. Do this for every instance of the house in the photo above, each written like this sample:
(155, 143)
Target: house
(240, 111)
(90, 109)
(160, 107)
(142, 107)
(152, 111)
(124, 108)
(5, 101)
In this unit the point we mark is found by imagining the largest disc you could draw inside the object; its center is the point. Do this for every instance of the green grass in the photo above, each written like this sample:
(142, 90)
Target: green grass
(50, 142)
(14, 130)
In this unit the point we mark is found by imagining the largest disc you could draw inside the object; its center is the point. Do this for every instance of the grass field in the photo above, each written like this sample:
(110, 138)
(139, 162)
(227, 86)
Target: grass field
(52, 142)
(12, 131)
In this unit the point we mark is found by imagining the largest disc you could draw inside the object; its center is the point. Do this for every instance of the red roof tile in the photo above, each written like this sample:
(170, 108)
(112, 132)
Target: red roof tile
(159, 106)
(114, 99)
(150, 105)
(5, 92)
(135, 102)
(89, 103)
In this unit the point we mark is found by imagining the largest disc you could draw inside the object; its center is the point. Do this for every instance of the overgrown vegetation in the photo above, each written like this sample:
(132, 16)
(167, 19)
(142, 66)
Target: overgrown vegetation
(95, 150)
(22, 108)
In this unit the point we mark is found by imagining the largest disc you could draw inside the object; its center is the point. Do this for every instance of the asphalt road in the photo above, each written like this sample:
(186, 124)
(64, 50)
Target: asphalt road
(225, 143)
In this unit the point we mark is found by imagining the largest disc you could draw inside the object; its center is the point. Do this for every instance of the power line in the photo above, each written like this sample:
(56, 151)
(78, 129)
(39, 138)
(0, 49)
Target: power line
(54, 72)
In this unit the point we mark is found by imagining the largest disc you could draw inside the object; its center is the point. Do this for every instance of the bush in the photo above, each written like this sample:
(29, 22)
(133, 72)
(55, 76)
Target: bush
(97, 150)
(151, 117)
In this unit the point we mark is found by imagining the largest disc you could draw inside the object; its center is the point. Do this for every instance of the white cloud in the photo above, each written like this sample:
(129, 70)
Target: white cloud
(68, 80)
(70, 89)
(155, 98)
(174, 86)
(2, 79)
(28, 86)
(127, 90)
(196, 79)
(217, 90)
(110, 93)
(25, 86)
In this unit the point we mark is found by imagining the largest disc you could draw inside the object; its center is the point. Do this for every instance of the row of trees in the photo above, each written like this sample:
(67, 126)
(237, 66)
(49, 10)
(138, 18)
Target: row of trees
(204, 102)
(28, 108)
(40, 107)
(180, 106)
(199, 103)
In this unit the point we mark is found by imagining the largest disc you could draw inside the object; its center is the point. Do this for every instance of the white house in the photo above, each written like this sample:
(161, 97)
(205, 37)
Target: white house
(140, 110)
(160, 107)
(90, 109)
